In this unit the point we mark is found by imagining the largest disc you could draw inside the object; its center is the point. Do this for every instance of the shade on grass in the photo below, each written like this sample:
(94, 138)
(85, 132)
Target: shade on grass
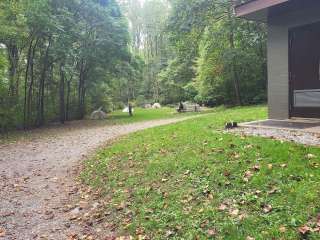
(192, 180)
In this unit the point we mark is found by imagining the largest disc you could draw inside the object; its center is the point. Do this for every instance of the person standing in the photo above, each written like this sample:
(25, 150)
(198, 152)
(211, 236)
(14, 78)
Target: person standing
(130, 109)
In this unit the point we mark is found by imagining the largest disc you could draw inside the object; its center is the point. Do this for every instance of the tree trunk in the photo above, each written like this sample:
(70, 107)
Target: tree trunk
(234, 71)
(62, 102)
(13, 55)
(68, 99)
(25, 125)
(31, 73)
(82, 90)
(40, 117)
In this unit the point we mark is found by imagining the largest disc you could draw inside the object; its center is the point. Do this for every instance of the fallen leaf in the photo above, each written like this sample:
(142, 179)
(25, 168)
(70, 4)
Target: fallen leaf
(242, 217)
(187, 172)
(250, 238)
(170, 233)
(304, 230)
(318, 221)
(2, 232)
(310, 156)
(247, 176)
(284, 165)
(212, 232)
(124, 238)
(234, 212)
(140, 231)
(282, 229)
(273, 190)
(267, 209)
(222, 207)
(270, 166)
(72, 236)
(142, 237)
(256, 168)
(258, 192)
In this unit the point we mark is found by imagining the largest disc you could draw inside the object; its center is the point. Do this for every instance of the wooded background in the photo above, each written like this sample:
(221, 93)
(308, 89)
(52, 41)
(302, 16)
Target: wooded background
(60, 59)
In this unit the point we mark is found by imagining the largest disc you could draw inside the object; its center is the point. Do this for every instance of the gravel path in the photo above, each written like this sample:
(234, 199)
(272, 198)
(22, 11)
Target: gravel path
(301, 137)
(37, 177)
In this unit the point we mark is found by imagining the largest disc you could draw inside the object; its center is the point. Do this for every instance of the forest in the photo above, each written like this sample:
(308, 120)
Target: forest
(62, 59)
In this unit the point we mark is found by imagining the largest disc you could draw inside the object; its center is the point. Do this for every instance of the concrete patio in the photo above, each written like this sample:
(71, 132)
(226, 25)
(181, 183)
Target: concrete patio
(298, 130)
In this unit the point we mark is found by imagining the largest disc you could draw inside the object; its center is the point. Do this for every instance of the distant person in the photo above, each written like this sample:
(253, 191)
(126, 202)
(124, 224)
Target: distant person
(180, 109)
(130, 110)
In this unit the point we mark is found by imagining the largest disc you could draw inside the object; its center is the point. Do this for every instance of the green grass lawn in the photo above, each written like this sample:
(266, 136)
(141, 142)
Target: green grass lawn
(192, 180)
(141, 114)
(116, 117)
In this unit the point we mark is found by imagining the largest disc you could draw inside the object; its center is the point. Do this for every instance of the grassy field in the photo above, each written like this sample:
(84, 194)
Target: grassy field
(141, 114)
(192, 180)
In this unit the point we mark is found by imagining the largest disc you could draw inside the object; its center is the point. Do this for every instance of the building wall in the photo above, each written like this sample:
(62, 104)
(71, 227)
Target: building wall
(278, 56)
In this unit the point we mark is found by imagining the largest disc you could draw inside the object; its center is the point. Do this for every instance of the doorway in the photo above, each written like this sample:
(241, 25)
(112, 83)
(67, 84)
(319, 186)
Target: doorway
(304, 71)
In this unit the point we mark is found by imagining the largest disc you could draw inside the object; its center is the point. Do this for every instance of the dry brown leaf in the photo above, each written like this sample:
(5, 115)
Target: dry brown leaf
(282, 229)
(212, 232)
(304, 230)
(267, 209)
(242, 217)
(222, 207)
(142, 237)
(273, 190)
(2, 232)
(234, 212)
(250, 238)
(170, 233)
(236, 156)
(318, 221)
(247, 176)
(256, 168)
(310, 156)
(124, 238)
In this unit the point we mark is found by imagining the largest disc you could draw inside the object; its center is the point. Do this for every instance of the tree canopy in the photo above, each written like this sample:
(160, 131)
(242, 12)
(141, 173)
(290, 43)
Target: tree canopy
(61, 59)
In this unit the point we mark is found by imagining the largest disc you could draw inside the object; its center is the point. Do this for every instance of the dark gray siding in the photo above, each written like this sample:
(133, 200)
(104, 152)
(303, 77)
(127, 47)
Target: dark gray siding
(278, 66)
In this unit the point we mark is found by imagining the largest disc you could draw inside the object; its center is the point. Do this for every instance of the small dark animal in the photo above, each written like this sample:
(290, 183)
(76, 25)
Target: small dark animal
(231, 125)
(228, 125)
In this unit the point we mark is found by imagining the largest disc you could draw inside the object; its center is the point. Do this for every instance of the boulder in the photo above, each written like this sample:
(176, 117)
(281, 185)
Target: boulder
(126, 110)
(98, 115)
(156, 106)
(148, 106)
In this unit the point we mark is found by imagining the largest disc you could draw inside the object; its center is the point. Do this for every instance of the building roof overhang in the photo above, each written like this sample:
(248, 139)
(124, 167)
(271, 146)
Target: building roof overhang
(257, 10)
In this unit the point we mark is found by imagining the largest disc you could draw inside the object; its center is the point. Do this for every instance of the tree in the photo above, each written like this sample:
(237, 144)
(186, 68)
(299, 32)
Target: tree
(56, 52)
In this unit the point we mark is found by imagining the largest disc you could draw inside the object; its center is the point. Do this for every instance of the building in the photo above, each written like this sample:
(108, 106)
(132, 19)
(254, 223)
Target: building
(293, 54)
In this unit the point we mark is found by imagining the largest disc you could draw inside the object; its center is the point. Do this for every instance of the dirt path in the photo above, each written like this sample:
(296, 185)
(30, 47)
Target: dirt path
(37, 177)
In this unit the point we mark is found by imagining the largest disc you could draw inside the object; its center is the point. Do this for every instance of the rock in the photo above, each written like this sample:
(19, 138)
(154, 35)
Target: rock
(75, 211)
(98, 115)
(126, 110)
(156, 106)
(148, 106)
